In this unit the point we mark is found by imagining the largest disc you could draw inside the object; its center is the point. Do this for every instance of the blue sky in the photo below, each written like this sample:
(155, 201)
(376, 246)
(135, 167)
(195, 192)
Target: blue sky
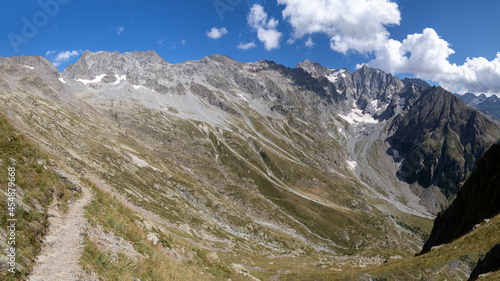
(427, 39)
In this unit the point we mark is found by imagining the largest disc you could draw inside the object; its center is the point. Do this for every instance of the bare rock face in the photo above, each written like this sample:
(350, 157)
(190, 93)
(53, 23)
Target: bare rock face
(440, 139)
(476, 201)
(490, 263)
(487, 105)
(373, 84)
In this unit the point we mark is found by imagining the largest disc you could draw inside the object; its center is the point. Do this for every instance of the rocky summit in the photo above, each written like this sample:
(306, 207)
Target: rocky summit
(288, 171)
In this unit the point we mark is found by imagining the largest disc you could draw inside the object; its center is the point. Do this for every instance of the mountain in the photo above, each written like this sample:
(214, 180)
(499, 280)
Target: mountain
(256, 161)
(490, 263)
(416, 81)
(490, 105)
(440, 133)
(476, 202)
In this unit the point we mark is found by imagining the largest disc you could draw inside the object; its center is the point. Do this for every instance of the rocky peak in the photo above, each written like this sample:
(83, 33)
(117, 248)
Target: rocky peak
(489, 105)
(416, 81)
(440, 139)
(372, 83)
(91, 65)
(36, 63)
(35, 72)
(314, 68)
(222, 59)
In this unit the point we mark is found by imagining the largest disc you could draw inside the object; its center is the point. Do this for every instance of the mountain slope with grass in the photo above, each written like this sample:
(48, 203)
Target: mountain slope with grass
(476, 202)
(25, 202)
(274, 169)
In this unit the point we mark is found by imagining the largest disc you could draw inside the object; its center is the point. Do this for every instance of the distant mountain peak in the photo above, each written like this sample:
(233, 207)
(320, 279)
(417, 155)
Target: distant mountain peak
(483, 103)
(314, 68)
(416, 81)
(92, 64)
(31, 62)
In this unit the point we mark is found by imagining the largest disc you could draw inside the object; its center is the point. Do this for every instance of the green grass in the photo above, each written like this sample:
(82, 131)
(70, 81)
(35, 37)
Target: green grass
(155, 264)
(431, 266)
(36, 183)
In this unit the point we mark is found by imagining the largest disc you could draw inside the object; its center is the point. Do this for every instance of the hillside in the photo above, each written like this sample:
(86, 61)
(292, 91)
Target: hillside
(275, 169)
(476, 202)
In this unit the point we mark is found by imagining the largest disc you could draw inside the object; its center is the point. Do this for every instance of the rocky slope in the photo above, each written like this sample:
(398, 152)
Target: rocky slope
(490, 263)
(440, 133)
(416, 81)
(489, 105)
(255, 159)
(476, 201)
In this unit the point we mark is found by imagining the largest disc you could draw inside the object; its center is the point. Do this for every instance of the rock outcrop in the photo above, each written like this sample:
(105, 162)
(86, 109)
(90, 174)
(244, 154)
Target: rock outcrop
(476, 201)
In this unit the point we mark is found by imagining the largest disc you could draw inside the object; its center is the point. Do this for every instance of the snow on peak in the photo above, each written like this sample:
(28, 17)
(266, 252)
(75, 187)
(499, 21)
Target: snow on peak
(356, 116)
(138, 87)
(333, 77)
(96, 80)
(119, 79)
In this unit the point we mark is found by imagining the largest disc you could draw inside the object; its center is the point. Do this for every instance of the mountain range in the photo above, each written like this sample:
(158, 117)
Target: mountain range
(488, 105)
(257, 161)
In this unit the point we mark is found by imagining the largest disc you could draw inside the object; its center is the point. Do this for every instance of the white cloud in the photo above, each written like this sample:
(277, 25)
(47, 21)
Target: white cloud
(309, 43)
(216, 33)
(246, 46)
(358, 25)
(426, 55)
(266, 29)
(119, 29)
(61, 57)
(361, 26)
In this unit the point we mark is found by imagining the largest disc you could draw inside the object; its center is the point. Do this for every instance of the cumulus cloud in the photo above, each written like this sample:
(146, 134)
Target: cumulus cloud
(266, 29)
(358, 25)
(361, 26)
(64, 56)
(216, 33)
(246, 46)
(426, 55)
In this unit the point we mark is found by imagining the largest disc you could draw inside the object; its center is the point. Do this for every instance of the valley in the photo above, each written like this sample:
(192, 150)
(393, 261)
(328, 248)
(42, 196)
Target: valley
(285, 174)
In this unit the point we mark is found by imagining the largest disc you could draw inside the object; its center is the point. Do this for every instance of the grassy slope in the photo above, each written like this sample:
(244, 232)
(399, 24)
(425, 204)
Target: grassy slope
(36, 185)
(155, 264)
(436, 265)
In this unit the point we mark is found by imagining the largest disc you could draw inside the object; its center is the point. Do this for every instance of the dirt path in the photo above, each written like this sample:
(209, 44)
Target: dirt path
(63, 244)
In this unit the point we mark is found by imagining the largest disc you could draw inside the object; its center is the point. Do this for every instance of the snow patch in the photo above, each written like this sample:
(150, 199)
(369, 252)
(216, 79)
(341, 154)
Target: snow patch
(356, 116)
(137, 87)
(30, 67)
(140, 163)
(96, 80)
(333, 77)
(352, 164)
(62, 80)
(241, 96)
(119, 79)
